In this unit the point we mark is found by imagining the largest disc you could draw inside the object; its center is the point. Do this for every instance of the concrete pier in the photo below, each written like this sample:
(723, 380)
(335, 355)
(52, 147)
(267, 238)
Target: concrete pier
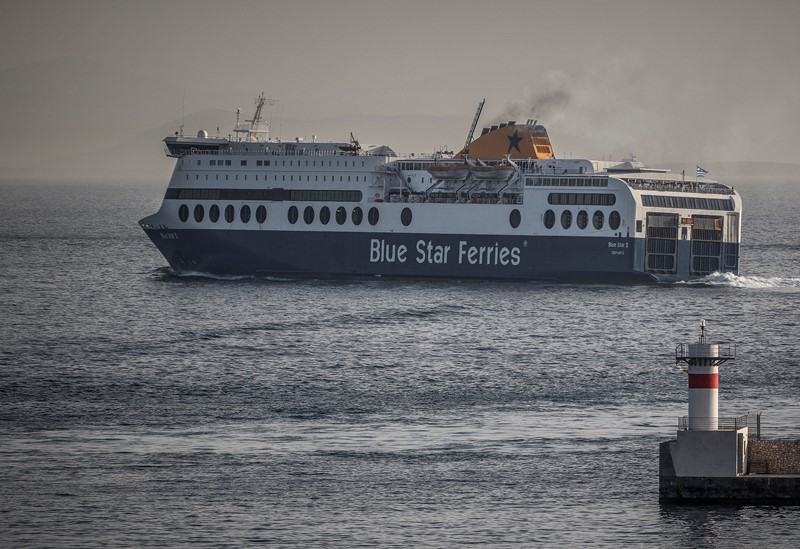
(749, 487)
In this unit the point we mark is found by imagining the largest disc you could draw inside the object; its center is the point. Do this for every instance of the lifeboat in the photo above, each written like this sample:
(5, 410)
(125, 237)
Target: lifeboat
(458, 172)
(501, 172)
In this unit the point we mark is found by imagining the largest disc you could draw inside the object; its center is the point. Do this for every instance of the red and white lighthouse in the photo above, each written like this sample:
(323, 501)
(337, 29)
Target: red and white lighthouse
(703, 360)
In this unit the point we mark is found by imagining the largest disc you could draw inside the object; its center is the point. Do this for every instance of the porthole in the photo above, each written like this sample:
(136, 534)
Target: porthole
(597, 220)
(292, 215)
(549, 219)
(341, 215)
(514, 218)
(405, 216)
(213, 213)
(308, 215)
(614, 220)
(324, 215)
(183, 212)
(566, 219)
(373, 216)
(199, 212)
(244, 213)
(582, 219)
(229, 213)
(261, 214)
(358, 215)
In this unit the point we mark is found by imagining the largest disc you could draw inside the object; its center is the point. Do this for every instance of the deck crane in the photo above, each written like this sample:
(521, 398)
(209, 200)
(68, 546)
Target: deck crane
(474, 123)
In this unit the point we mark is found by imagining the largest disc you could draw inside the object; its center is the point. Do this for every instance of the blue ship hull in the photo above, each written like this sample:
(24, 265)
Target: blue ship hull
(351, 254)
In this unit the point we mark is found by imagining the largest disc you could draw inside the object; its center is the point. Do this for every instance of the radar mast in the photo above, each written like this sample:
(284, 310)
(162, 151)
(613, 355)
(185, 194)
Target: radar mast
(256, 130)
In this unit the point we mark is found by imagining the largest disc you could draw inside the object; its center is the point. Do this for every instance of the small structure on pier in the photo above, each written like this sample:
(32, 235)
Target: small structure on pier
(716, 459)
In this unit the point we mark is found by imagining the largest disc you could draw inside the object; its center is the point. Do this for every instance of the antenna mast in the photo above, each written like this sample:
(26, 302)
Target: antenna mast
(474, 123)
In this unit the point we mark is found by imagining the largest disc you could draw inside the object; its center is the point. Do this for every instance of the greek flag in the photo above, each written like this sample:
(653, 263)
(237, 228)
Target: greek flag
(701, 172)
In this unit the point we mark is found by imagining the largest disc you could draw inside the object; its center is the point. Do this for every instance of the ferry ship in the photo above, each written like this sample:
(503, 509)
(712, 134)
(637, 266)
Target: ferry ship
(504, 207)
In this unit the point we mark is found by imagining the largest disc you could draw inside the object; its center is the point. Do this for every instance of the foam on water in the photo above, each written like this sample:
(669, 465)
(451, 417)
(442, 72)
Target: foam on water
(740, 281)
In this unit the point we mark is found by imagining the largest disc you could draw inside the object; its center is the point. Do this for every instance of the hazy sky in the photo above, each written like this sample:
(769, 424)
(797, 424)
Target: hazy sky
(699, 81)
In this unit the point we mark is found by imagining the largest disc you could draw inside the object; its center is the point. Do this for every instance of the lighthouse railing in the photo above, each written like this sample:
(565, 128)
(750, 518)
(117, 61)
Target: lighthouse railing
(715, 423)
(726, 351)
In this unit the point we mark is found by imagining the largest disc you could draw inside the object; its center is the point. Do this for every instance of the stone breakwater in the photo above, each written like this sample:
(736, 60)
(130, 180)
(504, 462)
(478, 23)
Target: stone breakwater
(774, 457)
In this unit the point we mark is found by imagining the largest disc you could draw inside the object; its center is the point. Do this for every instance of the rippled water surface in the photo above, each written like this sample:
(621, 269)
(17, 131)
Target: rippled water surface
(138, 408)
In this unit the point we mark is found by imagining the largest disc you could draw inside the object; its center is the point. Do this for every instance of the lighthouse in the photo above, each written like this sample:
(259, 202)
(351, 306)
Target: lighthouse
(701, 361)
(713, 458)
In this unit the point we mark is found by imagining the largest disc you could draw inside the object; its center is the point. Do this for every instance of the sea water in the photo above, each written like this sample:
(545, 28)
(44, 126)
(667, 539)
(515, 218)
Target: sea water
(139, 408)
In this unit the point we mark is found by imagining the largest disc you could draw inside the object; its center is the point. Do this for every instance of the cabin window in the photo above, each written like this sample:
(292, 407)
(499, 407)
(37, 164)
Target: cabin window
(373, 216)
(566, 219)
(183, 212)
(405, 216)
(597, 220)
(549, 219)
(514, 218)
(244, 213)
(358, 215)
(582, 219)
(324, 215)
(308, 215)
(614, 221)
(199, 213)
(213, 213)
(341, 215)
(292, 215)
(261, 214)
(229, 213)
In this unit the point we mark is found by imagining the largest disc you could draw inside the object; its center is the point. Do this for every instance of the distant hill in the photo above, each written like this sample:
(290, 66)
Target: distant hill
(738, 170)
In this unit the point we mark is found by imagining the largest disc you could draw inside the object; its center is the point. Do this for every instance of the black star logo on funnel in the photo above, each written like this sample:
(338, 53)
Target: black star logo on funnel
(513, 142)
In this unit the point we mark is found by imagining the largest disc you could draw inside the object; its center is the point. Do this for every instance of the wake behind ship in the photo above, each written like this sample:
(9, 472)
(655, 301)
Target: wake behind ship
(502, 208)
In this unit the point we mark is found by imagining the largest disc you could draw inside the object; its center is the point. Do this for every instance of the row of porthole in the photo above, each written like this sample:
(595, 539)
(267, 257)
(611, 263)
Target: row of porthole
(582, 219)
(293, 214)
(373, 215)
